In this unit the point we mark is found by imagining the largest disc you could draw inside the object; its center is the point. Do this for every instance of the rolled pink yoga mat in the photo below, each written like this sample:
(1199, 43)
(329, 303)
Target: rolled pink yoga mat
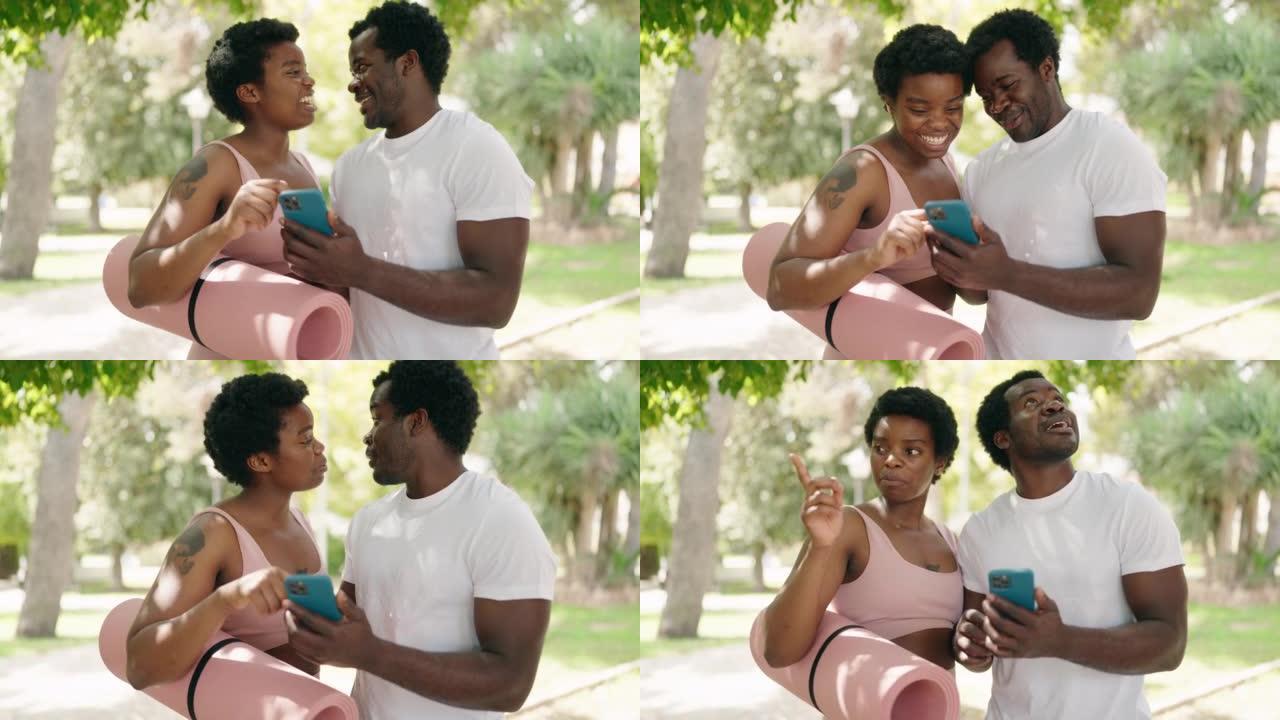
(851, 673)
(231, 681)
(242, 311)
(877, 319)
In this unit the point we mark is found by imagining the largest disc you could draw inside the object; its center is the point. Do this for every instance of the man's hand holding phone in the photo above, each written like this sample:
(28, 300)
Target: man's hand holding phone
(336, 260)
(985, 266)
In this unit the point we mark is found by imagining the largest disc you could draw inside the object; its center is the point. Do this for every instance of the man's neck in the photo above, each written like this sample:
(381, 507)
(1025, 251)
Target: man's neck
(414, 115)
(1037, 481)
(434, 475)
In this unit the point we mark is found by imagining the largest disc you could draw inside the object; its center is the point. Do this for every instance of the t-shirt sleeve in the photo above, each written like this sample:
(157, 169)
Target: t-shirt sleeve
(511, 558)
(1148, 537)
(970, 557)
(487, 182)
(1122, 177)
(348, 562)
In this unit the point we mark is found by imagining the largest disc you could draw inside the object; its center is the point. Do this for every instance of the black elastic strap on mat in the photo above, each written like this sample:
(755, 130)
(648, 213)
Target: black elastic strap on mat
(204, 660)
(831, 313)
(195, 293)
(813, 669)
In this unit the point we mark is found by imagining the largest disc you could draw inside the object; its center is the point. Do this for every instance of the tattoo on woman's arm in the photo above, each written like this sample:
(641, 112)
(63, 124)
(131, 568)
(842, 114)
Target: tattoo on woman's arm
(835, 183)
(184, 185)
(186, 547)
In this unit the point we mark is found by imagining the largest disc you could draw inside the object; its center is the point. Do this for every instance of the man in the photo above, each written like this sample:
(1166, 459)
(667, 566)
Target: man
(447, 588)
(1111, 595)
(432, 215)
(1071, 209)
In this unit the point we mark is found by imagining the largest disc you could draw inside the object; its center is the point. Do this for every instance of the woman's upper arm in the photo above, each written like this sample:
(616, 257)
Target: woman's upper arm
(189, 573)
(191, 202)
(834, 209)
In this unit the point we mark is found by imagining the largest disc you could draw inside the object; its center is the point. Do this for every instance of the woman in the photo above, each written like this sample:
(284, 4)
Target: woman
(226, 571)
(882, 564)
(224, 200)
(864, 216)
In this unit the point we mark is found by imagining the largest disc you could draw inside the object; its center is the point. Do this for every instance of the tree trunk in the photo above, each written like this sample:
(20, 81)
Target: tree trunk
(744, 207)
(53, 533)
(680, 175)
(632, 543)
(757, 567)
(1271, 547)
(1258, 165)
(31, 161)
(608, 533)
(1210, 200)
(1224, 559)
(560, 207)
(117, 567)
(584, 557)
(1231, 176)
(691, 568)
(1248, 533)
(582, 174)
(95, 208)
(608, 166)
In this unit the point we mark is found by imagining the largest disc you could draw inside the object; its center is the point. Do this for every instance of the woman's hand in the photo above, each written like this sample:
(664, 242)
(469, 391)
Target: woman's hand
(253, 206)
(903, 238)
(823, 511)
(264, 589)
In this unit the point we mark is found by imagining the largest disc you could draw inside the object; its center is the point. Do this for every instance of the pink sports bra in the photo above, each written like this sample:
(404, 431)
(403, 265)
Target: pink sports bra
(893, 597)
(261, 631)
(916, 267)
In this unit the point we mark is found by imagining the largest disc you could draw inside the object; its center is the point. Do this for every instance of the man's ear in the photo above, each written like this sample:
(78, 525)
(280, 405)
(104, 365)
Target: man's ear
(1047, 70)
(418, 421)
(1002, 439)
(407, 62)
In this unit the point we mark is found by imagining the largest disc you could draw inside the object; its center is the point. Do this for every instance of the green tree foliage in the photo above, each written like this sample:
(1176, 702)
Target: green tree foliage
(114, 131)
(1207, 448)
(23, 24)
(550, 89)
(567, 451)
(1196, 90)
(32, 389)
(762, 131)
(136, 487)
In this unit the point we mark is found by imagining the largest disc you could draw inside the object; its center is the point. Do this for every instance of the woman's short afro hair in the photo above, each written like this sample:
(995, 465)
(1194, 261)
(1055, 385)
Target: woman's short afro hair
(924, 406)
(920, 50)
(245, 419)
(237, 58)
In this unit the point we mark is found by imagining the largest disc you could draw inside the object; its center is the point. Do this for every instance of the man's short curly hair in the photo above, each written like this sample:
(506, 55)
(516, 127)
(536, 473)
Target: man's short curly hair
(238, 57)
(1032, 37)
(404, 26)
(245, 418)
(922, 405)
(993, 415)
(919, 50)
(442, 389)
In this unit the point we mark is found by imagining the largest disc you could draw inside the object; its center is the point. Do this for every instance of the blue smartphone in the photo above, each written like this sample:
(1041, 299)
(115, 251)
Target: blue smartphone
(952, 218)
(1018, 586)
(306, 207)
(315, 593)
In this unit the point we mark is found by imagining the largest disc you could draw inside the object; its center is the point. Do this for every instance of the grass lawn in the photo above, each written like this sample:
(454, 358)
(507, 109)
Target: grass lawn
(75, 627)
(703, 269)
(56, 269)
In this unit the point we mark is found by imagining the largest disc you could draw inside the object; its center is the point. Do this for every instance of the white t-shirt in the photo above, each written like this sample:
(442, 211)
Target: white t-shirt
(417, 566)
(1042, 196)
(1078, 541)
(404, 197)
